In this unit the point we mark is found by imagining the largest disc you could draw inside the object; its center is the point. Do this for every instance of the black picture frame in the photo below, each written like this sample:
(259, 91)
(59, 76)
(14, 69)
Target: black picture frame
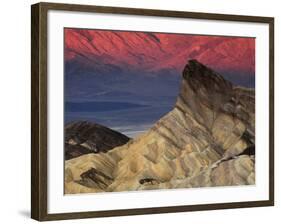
(39, 203)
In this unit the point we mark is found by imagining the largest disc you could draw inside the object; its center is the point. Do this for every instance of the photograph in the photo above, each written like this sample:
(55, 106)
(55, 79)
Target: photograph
(154, 110)
(145, 111)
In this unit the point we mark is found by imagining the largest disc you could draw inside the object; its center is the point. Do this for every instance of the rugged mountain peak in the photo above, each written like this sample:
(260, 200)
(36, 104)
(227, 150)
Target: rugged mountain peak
(200, 76)
(205, 94)
(205, 85)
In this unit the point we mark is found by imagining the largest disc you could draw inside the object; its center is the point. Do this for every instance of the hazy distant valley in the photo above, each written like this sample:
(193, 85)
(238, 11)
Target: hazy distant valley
(130, 112)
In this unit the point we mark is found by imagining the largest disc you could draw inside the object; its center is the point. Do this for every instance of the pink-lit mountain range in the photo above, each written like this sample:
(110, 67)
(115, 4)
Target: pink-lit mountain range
(155, 52)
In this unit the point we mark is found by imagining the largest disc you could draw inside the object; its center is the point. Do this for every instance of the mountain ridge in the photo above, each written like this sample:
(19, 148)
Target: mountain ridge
(83, 137)
(157, 51)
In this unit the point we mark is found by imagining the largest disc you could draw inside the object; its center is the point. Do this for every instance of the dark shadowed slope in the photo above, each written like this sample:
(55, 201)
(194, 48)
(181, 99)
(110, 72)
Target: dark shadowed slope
(84, 137)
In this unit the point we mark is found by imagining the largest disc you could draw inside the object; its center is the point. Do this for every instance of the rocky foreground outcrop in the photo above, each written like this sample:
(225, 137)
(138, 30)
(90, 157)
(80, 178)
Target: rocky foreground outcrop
(84, 137)
(207, 140)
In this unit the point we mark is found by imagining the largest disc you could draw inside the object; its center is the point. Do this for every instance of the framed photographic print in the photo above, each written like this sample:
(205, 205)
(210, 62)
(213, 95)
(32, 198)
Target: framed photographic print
(138, 111)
